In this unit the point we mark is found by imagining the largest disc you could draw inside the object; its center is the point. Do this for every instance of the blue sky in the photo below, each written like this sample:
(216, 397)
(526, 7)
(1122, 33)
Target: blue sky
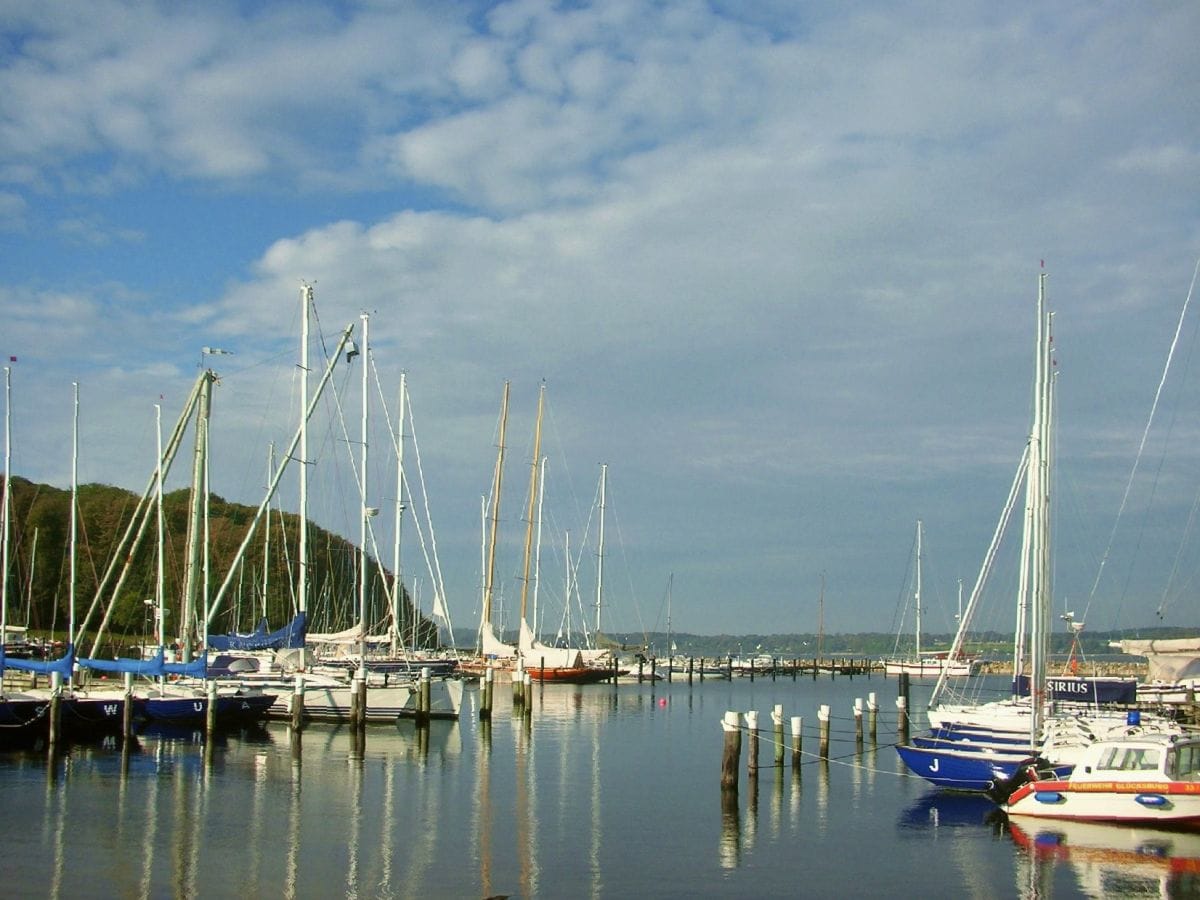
(776, 264)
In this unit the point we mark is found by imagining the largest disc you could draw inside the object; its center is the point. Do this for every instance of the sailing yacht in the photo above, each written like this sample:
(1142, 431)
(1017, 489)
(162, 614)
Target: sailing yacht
(972, 745)
(929, 664)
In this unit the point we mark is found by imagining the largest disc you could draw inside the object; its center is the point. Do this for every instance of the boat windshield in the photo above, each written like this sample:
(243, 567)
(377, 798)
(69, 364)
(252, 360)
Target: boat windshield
(1129, 759)
(1184, 764)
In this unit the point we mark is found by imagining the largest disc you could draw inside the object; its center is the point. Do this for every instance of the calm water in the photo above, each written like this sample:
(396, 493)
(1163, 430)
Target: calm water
(603, 792)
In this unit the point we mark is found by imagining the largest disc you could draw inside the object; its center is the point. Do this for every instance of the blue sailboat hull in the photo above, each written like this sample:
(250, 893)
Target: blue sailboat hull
(194, 710)
(955, 769)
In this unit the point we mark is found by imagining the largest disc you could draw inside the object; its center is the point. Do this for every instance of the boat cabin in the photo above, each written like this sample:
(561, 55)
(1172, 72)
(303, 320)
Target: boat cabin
(1160, 758)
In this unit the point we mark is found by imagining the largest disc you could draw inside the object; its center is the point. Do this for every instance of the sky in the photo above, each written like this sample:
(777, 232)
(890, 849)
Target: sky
(774, 263)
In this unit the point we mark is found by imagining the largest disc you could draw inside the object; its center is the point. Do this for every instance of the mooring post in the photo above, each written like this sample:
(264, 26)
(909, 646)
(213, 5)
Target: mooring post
(358, 711)
(424, 697)
(823, 741)
(752, 732)
(872, 714)
(902, 709)
(485, 704)
(518, 684)
(127, 711)
(55, 707)
(640, 660)
(777, 721)
(730, 756)
(858, 723)
(527, 690)
(298, 703)
(797, 742)
(210, 712)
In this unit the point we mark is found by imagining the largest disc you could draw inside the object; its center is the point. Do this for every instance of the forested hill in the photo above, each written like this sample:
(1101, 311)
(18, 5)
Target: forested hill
(39, 564)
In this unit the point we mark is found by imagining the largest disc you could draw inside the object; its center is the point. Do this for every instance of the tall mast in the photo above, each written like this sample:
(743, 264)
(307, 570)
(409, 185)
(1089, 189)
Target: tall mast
(397, 581)
(160, 615)
(918, 591)
(600, 547)
(4, 512)
(497, 478)
(1038, 545)
(533, 489)
(363, 512)
(537, 558)
(306, 300)
(266, 574)
(195, 512)
(74, 512)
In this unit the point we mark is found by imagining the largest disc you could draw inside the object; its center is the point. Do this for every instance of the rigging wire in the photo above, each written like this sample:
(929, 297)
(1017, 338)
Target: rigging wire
(1142, 444)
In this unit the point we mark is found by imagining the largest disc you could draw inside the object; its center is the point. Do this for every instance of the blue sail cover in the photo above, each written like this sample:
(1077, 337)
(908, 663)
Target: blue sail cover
(290, 637)
(150, 668)
(1076, 689)
(63, 665)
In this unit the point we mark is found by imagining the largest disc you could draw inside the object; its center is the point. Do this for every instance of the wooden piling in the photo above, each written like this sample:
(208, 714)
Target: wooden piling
(777, 721)
(858, 723)
(823, 740)
(127, 710)
(797, 742)
(872, 715)
(358, 708)
(731, 755)
(902, 709)
(518, 685)
(640, 663)
(210, 708)
(527, 690)
(485, 704)
(55, 708)
(424, 696)
(752, 753)
(298, 703)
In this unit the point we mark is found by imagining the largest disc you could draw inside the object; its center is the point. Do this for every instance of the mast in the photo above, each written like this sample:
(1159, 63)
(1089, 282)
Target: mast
(306, 300)
(533, 490)
(160, 614)
(241, 551)
(195, 512)
(266, 575)
(4, 512)
(1037, 494)
(397, 581)
(74, 516)
(821, 617)
(600, 547)
(497, 478)
(537, 559)
(363, 511)
(918, 592)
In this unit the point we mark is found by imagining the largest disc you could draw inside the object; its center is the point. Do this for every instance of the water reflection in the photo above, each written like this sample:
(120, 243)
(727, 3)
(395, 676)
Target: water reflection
(1109, 860)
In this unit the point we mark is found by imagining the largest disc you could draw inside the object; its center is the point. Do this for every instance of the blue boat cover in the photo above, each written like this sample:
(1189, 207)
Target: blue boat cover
(63, 665)
(290, 637)
(148, 667)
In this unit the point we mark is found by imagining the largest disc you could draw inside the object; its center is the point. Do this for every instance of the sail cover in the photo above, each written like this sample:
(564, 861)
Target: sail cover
(290, 637)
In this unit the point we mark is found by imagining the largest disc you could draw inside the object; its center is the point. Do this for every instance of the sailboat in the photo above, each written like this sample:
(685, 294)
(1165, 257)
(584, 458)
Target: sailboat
(23, 715)
(971, 746)
(930, 664)
(542, 662)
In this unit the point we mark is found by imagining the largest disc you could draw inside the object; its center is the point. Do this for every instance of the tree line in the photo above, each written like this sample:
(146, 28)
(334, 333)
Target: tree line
(38, 578)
